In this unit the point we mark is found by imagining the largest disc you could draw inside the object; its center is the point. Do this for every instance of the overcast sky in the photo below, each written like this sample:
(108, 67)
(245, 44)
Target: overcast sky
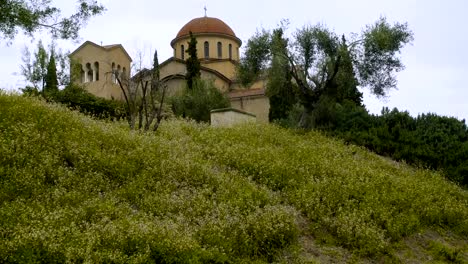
(436, 63)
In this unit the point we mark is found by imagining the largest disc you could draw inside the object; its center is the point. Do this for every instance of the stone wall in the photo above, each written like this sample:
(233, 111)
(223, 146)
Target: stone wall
(228, 117)
(257, 105)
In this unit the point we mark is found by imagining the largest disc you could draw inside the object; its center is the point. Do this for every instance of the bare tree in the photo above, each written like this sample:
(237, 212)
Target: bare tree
(141, 92)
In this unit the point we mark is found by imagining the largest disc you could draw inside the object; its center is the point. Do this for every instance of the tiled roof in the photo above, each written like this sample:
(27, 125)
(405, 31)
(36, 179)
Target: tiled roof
(110, 46)
(206, 25)
(246, 93)
(106, 47)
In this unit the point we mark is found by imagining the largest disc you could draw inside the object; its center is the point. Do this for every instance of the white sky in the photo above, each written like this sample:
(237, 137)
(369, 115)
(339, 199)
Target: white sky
(436, 64)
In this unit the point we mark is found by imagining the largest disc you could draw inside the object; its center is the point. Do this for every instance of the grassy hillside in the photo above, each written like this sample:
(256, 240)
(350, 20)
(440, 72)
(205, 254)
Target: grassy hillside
(78, 190)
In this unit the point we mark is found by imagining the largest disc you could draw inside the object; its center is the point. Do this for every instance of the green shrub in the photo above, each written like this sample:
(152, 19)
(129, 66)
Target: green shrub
(77, 98)
(445, 252)
(73, 189)
(428, 140)
(367, 202)
(197, 103)
(30, 91)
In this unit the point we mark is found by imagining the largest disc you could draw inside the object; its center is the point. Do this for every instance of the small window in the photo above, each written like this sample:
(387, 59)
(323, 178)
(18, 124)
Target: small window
(114, 80)
(220, 50)
(119, 73)
(230, 51)
(182, 52)
(89, 73)
(207, 50)
(96, 70)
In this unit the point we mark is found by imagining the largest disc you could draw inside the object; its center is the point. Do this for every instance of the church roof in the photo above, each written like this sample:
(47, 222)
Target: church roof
(206, 25)
(106, 48)
(246, 93)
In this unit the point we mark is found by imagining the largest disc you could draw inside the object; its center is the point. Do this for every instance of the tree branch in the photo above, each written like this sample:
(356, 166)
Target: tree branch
(129, 112)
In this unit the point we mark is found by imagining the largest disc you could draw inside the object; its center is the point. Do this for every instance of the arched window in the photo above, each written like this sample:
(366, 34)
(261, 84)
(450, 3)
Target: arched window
(207, 50)
(119, 72)
(220, 50)
(96, 71)
(114, 80)
(230, 51)
(182, 52)
(89, 72)
(124, 72)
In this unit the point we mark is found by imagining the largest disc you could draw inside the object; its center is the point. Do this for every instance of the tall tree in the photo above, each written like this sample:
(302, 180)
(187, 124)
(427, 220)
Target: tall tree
(341, 92)
(51, 83)
(192, 62)
(345, 85)
(34, 68)
(33, 15)
(316, 58)
(279, 85)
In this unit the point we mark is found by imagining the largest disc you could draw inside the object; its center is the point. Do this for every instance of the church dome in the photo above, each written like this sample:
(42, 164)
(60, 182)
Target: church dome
(206, 25)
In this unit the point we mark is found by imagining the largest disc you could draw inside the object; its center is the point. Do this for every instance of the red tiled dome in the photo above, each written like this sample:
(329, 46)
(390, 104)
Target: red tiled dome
(206, 25)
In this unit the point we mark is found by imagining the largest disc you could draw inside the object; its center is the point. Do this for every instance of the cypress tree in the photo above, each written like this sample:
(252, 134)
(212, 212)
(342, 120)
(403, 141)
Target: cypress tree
(51, 83)
(192, 62)
(279, 87)
(346, 80)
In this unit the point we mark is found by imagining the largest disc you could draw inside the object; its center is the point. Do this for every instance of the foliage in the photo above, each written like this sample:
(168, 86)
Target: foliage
(34, 70)
(197, 103)
(365, 201)
(33, 15)
(30, 91)
(320, 64)
(256, 56)
(192, 63)
(428, 140)
(344, 87)
(77, 98)
(446, 253)
(51, 83)
(292, 119)
(280, 89)
(78, 190)
(381, 43)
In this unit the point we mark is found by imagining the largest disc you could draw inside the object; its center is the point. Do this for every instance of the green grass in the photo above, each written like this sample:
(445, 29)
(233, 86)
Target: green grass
(445, 253)
(79, 190)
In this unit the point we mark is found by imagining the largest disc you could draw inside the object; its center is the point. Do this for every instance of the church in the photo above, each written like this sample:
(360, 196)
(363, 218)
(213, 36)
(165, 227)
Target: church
(218, 53)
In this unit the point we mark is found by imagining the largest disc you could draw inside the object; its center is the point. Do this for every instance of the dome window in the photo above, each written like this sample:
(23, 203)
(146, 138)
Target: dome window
(207, 50)
(220, 50)
(182, 52)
